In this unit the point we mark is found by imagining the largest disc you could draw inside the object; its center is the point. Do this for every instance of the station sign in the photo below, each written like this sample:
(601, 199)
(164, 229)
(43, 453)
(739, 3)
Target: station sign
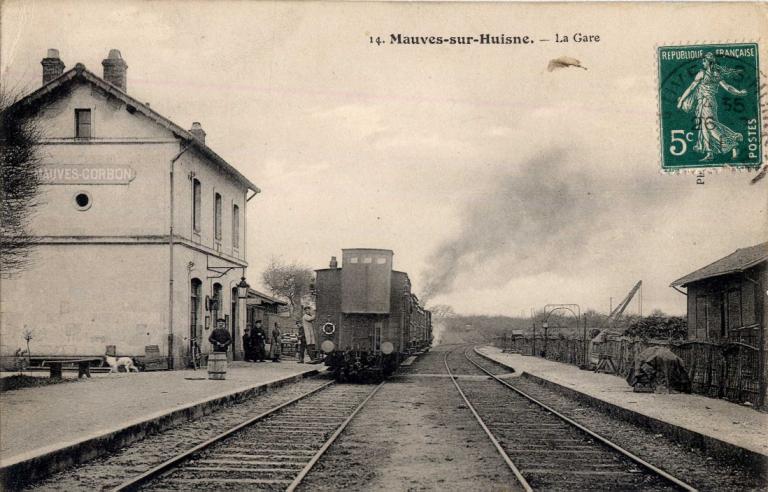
(82, 174)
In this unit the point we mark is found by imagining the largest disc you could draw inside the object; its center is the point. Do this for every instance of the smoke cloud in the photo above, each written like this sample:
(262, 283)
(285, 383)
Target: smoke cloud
(534, 218)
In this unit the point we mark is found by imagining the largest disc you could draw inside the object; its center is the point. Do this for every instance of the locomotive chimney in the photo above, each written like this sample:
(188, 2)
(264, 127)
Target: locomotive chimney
(334, 263)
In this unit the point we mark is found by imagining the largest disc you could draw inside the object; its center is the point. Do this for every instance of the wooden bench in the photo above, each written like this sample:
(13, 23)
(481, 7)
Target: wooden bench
(83, 366)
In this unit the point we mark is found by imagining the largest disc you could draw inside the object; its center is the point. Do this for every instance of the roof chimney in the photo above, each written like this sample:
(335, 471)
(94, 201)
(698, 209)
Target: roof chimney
(334, 263)
(53, 67)
(115, 69)
(197, 131)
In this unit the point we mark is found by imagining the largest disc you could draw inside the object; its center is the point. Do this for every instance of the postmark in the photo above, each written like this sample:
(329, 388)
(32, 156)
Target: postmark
(709, 106)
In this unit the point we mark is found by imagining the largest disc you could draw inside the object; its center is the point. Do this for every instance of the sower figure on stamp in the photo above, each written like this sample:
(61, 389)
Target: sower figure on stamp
(712, 136)
(258, 339)
(309, 333)
(274, 344)
(220, 338)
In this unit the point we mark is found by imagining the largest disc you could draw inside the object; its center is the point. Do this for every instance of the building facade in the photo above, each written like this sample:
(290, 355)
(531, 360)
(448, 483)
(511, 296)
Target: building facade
(141, 227)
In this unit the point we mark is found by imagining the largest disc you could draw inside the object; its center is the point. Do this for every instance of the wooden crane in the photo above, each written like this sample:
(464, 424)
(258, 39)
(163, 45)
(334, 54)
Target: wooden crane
(619, 310)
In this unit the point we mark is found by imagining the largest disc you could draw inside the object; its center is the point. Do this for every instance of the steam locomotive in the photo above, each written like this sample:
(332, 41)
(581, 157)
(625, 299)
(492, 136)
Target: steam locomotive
(367, 318)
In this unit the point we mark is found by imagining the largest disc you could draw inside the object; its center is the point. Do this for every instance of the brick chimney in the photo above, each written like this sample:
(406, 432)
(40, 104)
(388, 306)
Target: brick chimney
(52, 65)
(115, 69)
(334, 263)
(197, 131)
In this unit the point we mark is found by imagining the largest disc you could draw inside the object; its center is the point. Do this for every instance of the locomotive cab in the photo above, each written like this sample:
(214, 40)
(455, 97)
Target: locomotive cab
(366, 315)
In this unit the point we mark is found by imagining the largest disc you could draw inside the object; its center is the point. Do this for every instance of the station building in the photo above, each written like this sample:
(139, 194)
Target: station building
(141, 227)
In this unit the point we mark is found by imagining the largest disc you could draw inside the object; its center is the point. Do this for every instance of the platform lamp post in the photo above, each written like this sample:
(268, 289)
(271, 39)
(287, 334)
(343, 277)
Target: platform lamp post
(242, 296)
(545, 325)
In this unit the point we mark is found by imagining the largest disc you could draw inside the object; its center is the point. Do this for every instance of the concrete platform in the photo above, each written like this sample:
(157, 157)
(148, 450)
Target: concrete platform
(728, 429)
(48, 428)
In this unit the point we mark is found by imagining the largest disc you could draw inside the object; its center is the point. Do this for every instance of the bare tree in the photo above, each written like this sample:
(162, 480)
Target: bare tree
(20, 162)
(289, 281)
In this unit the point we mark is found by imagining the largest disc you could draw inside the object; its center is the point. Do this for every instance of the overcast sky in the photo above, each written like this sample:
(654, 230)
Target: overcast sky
(501, 184)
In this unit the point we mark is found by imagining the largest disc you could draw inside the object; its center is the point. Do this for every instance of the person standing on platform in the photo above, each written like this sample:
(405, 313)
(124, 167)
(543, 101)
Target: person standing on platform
(258, 339)
(220, 338)
(301, 342)
(247, 352)
(309, 334)
(274, 344)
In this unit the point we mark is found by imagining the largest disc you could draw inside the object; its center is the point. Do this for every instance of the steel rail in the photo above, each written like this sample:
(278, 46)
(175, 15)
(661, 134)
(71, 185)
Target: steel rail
(152, 473)
(504, 455)
(330, 441)
(598, 437)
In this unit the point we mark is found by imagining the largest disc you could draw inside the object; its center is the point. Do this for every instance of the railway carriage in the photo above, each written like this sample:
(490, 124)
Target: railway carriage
(367, 319)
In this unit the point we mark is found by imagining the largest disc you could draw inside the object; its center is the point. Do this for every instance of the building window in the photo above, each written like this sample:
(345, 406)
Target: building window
(353, 259)
(381, 260)
(748, 298)
(217, 216)
(235, 226)
(196, 199)
(733, 309)
(702, 314)
(82, 200)
(367, 259)
(83, 123)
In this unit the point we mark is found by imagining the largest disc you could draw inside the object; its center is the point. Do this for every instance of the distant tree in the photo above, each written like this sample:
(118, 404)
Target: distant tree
(288, 281)
(658, 326)
(20, 138)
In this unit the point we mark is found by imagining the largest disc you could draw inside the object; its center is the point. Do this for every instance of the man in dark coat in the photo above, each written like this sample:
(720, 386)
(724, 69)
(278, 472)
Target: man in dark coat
(220, 338)
(258, 339)
(247, 352)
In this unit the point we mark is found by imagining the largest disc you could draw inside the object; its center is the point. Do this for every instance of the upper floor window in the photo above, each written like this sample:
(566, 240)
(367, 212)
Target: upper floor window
(217, 216)
(196, 204)
(83, 123)
(235, 226)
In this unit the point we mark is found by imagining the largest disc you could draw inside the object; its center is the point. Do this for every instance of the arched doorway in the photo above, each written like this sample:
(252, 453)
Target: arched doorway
(217, 307)
(233, 322)
(195, 328)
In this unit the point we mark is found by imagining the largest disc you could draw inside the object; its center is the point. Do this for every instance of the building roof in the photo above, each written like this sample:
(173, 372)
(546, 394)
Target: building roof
(738, 261)
(80, 73)
(255, 294)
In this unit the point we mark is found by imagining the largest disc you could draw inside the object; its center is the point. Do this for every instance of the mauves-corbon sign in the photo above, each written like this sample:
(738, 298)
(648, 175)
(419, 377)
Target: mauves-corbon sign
(55, 174)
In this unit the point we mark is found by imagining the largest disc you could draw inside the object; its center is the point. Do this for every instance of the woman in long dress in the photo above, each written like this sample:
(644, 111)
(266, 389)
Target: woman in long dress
(712, 136)
(274, 344)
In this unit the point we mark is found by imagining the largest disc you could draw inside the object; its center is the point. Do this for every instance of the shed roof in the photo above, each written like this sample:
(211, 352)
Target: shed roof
(738, 261)
(80, 73)
(262, 297)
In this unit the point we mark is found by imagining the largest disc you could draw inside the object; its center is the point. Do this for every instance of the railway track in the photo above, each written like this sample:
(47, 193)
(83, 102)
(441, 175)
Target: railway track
(544, 449)
(271, 451)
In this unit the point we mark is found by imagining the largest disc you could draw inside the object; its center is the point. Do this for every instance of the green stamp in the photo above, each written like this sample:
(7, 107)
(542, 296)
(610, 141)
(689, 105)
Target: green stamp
(709, 105)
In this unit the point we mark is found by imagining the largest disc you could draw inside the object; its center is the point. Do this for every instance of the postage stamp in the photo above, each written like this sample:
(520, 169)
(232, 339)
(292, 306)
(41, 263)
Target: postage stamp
(709, 106)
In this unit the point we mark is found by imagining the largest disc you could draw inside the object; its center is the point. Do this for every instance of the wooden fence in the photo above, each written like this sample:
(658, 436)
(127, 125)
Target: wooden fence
(730, 370)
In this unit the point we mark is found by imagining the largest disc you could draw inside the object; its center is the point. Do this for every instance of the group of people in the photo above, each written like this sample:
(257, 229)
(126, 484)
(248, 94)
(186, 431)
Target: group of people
(255, 341)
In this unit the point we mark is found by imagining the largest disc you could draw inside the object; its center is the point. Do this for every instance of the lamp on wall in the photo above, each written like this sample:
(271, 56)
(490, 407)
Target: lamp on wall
(242, 289)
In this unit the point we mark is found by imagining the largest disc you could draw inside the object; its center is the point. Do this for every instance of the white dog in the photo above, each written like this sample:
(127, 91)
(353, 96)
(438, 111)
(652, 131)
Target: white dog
(115, 364)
